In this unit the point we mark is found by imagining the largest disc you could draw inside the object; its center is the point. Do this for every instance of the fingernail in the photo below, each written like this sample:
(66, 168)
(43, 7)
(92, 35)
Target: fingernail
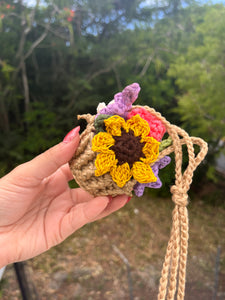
(71, 135)
(110, 198)
(128, 199)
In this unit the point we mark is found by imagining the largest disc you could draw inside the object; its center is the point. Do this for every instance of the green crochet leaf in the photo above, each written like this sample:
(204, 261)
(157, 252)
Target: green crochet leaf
(99, 123)
(165, 143)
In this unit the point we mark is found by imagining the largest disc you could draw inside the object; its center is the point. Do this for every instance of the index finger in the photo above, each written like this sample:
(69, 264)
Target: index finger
(47, 163)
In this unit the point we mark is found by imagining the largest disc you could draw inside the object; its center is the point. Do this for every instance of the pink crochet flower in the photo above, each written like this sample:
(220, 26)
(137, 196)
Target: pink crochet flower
(157, 129)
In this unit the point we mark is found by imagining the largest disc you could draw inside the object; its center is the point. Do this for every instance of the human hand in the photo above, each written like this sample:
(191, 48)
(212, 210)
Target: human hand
(38, 210)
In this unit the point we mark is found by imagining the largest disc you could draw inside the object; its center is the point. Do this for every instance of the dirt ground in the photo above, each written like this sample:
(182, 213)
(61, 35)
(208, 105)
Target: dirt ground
(87, 266)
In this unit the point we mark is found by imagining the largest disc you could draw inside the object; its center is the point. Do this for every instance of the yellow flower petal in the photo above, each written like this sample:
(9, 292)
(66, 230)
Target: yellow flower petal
(143, 172)
(139, 126)
(104, 162)
(150, 150)
(114, 124)
(121, 174)
(102, 141)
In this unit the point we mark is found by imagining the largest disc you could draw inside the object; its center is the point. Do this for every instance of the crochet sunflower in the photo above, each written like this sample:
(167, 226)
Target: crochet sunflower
(126, 150)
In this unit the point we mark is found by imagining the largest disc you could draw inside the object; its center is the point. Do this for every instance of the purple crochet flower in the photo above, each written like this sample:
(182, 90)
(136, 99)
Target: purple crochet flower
(122, 101)
(140, 187)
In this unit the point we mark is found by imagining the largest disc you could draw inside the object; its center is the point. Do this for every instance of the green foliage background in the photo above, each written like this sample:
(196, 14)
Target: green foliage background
(62, 58)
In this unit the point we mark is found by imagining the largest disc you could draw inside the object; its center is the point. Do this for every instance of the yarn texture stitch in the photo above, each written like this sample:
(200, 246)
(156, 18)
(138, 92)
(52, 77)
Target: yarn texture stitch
(101, 166)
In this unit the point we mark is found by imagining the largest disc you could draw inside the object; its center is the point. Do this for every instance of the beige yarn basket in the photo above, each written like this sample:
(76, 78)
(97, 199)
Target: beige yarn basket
(83, 167)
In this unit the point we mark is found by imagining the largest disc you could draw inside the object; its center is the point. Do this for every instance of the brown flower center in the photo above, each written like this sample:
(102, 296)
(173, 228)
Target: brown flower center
(128, 148)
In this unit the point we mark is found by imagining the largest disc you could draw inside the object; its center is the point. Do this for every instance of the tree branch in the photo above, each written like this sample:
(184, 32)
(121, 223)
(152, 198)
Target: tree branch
(35, 44)
(54, 32)
(119, 85)
(147, 64)
(89, 78)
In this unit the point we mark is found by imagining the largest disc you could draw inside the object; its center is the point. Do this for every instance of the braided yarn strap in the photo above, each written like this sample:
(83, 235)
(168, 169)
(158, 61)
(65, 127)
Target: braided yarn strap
(176, 255)
(100, 168)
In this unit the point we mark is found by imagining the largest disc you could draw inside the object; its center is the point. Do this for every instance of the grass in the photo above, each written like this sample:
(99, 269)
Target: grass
(141, 231)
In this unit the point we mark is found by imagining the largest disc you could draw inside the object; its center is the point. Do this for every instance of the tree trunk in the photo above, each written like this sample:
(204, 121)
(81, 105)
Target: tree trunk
(25, 86)
(4, 119)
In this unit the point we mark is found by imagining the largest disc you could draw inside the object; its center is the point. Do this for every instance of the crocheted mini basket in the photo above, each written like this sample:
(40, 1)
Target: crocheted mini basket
(122, 150)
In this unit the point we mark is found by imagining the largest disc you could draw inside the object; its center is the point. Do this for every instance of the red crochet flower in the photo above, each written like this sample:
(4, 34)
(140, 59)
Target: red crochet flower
(157, 129)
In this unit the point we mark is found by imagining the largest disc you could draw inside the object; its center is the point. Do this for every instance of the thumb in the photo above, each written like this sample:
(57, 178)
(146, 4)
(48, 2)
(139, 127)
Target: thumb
(51, 160)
